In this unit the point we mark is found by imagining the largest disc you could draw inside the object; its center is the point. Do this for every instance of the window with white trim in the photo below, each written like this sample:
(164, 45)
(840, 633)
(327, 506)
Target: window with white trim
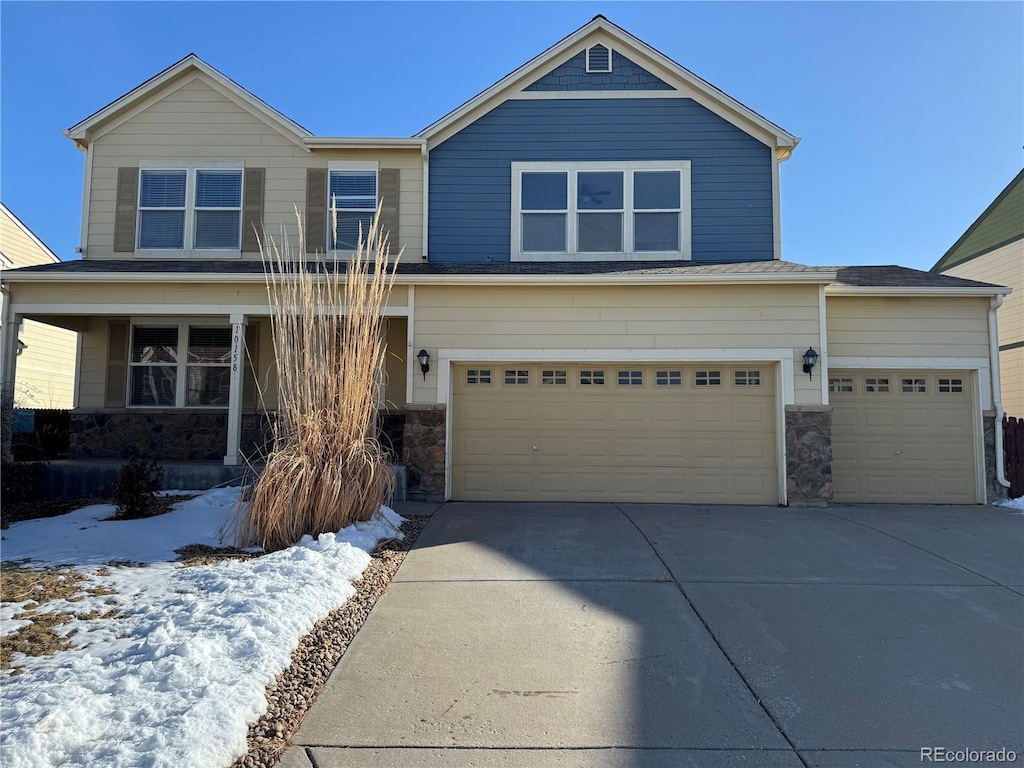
(600, 210)
(351, 203)
(173, 366)
(190, 208)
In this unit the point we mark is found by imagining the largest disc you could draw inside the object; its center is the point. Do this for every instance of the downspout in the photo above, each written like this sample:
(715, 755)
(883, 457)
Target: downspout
(426, 200)
(993, 346)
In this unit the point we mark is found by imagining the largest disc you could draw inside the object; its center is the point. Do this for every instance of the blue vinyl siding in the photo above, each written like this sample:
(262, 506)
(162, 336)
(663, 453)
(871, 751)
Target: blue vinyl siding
(625, 76)
(471, 173)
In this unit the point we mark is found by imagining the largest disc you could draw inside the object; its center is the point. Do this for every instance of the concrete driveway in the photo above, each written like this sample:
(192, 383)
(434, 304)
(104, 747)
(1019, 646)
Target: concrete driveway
(657, 636)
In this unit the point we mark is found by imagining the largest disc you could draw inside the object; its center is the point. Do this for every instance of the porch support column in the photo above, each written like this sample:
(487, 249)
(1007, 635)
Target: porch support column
(232, 457)
(10, 328)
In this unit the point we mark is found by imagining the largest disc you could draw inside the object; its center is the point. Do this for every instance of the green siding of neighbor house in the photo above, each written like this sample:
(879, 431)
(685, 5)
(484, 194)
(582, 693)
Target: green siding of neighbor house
(1001, 223)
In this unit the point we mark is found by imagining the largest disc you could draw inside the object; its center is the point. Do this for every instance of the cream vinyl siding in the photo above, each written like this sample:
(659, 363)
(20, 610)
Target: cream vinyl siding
(46, 367)
(1005, 266)
(903, 447)
(622, 318)
(17, 246)
(552, 432)
(907, 326)
(45, 372)
(196, 121)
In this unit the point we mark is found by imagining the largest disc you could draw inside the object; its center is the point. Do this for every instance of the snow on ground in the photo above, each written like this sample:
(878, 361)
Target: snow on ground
(177, 679)
(1014, 504)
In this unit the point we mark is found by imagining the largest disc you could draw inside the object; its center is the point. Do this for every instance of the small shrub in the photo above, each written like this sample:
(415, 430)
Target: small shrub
(20, 482)
(134, 488)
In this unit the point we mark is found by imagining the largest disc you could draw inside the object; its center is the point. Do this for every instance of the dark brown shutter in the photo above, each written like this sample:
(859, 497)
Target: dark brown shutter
(252, 209)
(387, 196)
(117, 364)
(252, 338)
(124, 218)
(316, 210)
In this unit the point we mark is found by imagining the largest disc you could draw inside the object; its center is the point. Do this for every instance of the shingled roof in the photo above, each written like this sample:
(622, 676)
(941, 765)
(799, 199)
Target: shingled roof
(890, 276)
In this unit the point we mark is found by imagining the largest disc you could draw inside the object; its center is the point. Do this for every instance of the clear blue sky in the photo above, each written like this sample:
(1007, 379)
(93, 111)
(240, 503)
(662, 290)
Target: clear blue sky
(912, 114)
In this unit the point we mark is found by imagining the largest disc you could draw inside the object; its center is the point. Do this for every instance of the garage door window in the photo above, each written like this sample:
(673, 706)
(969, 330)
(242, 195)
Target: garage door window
(554, 378)
(591, 378)
(707, 379)
(950, 386)
(478, 376)
(747, 378)
(517, 377)
(876, 386)
(631, 378)
(668, 379)
(840, 385)
(914, 386)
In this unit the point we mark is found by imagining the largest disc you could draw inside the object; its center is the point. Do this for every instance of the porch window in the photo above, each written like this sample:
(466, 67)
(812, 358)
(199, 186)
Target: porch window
(173, 366)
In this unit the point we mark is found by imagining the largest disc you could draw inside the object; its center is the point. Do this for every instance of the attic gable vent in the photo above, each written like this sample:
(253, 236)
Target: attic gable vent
(599, 59)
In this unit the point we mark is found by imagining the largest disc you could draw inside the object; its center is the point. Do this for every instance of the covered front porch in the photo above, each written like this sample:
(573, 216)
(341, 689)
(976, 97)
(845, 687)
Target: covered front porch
(182, 372)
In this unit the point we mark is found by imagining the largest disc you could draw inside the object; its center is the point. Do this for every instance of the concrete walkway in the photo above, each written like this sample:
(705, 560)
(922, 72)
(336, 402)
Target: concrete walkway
(650, 636)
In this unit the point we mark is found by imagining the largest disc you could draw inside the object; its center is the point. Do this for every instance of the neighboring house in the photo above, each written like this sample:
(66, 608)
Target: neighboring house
(46, 352)
(992, 250)
(592, 262)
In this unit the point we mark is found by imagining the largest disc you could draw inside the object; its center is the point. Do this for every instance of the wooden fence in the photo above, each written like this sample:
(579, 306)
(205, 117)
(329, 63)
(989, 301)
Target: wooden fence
(1013, 454)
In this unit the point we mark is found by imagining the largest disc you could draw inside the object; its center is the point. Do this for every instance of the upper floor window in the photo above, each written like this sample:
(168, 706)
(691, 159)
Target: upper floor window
(190, 209)
(600, 210)
(352, 199)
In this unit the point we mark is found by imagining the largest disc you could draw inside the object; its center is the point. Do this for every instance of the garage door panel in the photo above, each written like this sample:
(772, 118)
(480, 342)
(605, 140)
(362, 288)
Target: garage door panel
(621, 442)
(903, 447)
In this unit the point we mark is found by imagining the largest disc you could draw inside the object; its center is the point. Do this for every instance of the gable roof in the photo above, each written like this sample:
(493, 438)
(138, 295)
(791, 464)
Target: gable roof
(599, 27)
(1000, 224)
(43, 248)
(80, 133)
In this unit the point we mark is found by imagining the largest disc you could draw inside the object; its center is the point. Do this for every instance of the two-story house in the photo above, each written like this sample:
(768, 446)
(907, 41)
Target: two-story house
(592, 263)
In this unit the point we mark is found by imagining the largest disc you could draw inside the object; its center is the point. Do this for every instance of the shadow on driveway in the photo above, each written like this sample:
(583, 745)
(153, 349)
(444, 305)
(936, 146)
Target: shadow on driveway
(649, 636)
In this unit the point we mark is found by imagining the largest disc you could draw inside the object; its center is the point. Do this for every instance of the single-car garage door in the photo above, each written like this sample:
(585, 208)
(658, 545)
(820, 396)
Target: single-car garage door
(902, 436)
(614, 432)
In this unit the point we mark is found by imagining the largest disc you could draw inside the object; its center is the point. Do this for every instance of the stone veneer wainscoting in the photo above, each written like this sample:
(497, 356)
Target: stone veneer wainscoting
(423, 451)
(809, 454)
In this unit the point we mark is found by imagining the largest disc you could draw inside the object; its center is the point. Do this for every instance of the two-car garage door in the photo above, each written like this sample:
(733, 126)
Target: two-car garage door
(615, 432)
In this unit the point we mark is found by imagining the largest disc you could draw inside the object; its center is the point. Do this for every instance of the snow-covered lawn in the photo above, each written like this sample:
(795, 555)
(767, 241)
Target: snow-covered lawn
(177, 676)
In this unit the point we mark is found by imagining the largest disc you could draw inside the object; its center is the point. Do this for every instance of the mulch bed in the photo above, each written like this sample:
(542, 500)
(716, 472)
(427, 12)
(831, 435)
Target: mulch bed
(295, 689)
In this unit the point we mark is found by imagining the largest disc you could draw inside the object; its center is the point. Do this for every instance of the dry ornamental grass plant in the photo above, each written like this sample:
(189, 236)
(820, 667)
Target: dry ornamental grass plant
(326, 469)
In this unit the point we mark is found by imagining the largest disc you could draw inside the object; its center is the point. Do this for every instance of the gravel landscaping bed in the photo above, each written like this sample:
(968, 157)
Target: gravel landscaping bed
(318, 653)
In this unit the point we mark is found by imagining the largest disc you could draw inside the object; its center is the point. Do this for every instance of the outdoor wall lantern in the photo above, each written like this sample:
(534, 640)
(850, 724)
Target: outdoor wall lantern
(424, 359)
(810, 360)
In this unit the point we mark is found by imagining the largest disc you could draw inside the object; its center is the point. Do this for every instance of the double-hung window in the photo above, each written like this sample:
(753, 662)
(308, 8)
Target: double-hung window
(178, 365)
(351, 201)
(595, 211)
(194, 209)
